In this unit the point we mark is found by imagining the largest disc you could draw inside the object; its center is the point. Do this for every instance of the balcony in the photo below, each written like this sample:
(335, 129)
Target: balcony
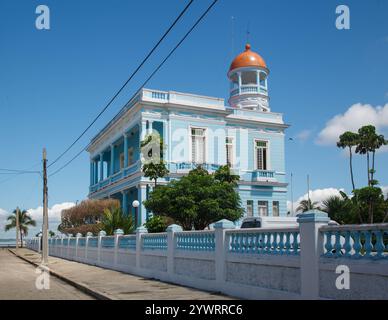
(123, 173)
(248, 89)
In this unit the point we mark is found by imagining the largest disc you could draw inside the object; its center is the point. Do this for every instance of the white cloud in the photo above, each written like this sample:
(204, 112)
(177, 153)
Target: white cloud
(385, 191)
(54, 213)
(303, 135)
(355, 117)
(317, 195)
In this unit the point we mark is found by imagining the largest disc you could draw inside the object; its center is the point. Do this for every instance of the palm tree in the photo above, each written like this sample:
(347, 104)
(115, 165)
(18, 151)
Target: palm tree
(114, 219)
(348, 140)
(25, 221)
(337, 208)
(306, 205)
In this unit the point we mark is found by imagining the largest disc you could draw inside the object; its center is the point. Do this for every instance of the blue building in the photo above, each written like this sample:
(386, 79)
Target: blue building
(196, 129)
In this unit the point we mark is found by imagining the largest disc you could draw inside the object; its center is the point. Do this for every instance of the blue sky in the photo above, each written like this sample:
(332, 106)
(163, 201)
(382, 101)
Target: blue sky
(52, 83)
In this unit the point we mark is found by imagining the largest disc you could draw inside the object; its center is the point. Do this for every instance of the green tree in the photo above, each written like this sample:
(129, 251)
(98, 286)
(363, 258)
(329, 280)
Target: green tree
(306, 205)
(338, 209)
(25, 221)
(224, 174)
(154, 167)
(156, 224)
(196, 200)
(51, 233)
(349, 140)
(114, 218)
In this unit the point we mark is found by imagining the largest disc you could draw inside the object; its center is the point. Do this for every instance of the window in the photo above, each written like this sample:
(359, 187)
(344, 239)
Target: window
(198, 145)
(263, 208)
(261, 152)
(250, 208)
(121, 160)
(275, 209)
(130, 156)
(229, 151)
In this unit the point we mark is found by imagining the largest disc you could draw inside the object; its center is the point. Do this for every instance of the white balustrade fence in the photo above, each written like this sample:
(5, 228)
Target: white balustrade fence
(276, 263)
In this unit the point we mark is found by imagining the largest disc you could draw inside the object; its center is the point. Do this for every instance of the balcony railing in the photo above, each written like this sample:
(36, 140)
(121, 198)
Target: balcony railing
(123, 173)
(181, 167)
(263, 175)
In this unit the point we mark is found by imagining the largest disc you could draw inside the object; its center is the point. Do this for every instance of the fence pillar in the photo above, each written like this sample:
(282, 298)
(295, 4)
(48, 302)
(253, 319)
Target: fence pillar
(311, 247)
(139, 232)
(118, 233)
(88, 235)
(100, 235)
(39, 244)
(68, 245)
(78, 235)
(221, 249)
(171, 229)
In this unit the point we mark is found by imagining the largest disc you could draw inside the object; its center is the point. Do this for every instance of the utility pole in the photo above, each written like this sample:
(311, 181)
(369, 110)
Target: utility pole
(45, 212)
(308, 189)
(17, 228)
(292, 199)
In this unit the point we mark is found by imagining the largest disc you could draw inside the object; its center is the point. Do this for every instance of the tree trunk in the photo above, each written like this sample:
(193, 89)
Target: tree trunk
(373, 165)
(367, 163)
(156, 182)
(351, 167)
(21, 238)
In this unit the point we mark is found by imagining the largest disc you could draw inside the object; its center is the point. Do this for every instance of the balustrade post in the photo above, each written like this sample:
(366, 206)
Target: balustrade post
(88, 235)
(139, 233)
(68, 245)
(77, 236)
(221, 249)
(101, 234)
(311, 248)
(117, 234)
(171, 229)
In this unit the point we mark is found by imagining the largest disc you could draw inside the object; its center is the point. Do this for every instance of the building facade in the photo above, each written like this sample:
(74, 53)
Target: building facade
(196, 129)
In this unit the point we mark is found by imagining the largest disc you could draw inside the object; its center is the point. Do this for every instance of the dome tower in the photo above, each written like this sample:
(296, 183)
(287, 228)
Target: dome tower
(248, 81)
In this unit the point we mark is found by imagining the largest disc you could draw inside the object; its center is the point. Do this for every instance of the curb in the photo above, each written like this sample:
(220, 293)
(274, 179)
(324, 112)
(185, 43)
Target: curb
(82, 287)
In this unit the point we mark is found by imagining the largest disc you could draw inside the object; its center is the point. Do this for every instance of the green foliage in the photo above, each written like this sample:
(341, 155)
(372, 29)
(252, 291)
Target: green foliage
(349, 140)
(306, 205)
(51, 233)
(224, 174)
(114, 218)
(156, 224)
(25, 221)
(338, 209)
(154, 169)
(197, 200)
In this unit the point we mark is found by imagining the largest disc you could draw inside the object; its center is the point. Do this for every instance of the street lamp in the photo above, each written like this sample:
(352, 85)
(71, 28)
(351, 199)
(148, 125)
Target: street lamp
(135, 204)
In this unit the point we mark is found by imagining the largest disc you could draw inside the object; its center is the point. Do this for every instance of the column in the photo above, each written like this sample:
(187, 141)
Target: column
(112, 159)
(171, 229)
(125, 150)
(311, 248)
(258, 80)
(150, 125)
(141, 211)
(165, 141)
(101, 166)
(125, 201)
(91, 172)
(95, 171)
(239, 82)
(143, 130)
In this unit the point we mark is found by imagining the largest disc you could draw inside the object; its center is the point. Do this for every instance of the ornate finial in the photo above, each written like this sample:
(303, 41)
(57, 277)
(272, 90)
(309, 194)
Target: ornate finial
(247, 47)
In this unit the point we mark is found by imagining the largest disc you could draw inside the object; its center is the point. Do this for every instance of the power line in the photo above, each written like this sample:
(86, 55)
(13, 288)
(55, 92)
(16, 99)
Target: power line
(15, 171)
(150, 77)
(125, 83)
(19, 172)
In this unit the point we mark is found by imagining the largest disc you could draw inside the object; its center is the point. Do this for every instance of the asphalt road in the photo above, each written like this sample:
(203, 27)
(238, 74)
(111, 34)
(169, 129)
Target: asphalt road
(18, 282)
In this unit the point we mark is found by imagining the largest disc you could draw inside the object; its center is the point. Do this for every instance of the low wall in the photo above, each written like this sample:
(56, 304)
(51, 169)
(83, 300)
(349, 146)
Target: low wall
(281, 263)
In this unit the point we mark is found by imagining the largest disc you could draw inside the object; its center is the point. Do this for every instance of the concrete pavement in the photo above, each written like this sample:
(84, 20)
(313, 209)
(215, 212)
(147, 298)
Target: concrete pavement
(110, 284)
(18, 278)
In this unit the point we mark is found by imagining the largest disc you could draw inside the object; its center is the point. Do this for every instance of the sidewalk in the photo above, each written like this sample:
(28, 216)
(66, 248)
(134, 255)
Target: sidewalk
(109, 284)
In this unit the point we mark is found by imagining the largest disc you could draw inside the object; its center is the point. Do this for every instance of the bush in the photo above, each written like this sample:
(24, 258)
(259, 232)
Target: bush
(156, 224)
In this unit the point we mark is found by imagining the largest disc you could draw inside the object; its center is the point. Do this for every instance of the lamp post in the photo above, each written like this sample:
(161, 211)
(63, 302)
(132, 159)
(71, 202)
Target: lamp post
(135, 204)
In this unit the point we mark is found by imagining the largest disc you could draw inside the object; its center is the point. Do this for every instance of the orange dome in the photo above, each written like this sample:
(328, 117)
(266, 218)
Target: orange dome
(247, 58)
